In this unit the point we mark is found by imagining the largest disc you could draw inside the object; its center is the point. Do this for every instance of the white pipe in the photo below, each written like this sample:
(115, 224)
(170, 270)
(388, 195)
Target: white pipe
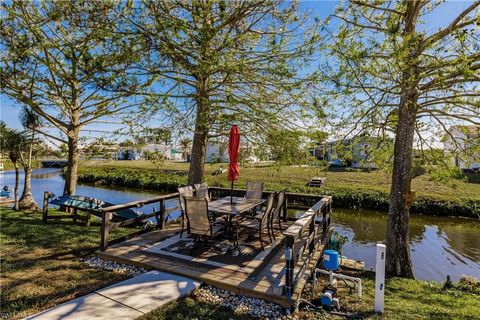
(380, 279)
(342, 276)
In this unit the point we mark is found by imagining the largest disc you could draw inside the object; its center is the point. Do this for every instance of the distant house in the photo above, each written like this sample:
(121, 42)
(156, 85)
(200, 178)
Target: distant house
(463, 142)
(169, 152)
(319, 151)
(358, 152)
(129, 154)
(216, 151)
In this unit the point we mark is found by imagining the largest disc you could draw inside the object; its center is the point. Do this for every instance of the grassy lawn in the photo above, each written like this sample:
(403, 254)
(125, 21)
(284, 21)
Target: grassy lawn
(40, 264)
(41, 267)
(404, 299)
(8, 165)
(189, 308)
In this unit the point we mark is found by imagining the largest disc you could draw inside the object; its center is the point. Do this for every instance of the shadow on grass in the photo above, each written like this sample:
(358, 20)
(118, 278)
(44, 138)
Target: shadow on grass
(40, 263)
(188, 308)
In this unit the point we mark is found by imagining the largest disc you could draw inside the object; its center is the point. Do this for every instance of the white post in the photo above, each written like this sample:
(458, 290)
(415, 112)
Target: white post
(380, 279)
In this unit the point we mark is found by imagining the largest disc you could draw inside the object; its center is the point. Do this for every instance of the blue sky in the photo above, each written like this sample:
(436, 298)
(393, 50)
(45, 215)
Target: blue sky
(9, 110)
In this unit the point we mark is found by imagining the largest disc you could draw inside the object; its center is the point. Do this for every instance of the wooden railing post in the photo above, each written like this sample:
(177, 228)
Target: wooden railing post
(285, 209)
(74, 215)
(46, 195)
(311, 230)
(290, 265)
(161, 219)
(88, 216)
(105, 230)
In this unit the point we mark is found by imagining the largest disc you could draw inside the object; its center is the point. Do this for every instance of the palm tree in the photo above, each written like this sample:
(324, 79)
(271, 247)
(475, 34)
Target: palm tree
(30, 122)
(12, 142)
(185, 144)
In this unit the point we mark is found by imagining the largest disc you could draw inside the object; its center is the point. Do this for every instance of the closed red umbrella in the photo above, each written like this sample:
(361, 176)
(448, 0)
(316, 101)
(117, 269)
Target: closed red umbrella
(233, 151)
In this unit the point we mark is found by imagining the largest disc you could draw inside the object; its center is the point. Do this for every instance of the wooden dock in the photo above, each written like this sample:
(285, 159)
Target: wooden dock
(5, 201)
(277, 274)
(317, 181)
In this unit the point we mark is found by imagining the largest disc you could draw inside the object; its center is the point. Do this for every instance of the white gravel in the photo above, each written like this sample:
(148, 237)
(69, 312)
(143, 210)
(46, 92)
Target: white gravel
(240, 304)
(99, 263)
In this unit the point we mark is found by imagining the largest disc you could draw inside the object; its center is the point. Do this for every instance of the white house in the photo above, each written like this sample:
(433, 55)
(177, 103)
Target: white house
(359, 151)
(463, 142)
(169, 152)
(217, 151)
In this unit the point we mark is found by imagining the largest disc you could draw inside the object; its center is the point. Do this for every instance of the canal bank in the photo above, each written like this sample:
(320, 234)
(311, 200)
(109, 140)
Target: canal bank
(354, 193)
(441, 246)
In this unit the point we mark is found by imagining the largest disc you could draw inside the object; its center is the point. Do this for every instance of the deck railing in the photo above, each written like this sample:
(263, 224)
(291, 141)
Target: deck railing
(301, 243)
(108, 226)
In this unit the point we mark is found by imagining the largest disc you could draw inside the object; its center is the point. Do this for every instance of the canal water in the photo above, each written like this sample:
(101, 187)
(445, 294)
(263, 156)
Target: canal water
(440, 246)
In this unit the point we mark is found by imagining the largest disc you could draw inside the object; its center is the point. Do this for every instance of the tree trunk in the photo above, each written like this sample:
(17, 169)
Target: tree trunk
(200, 136)
(26, 201)
(71, 174)
(17, 184)
(398, 258)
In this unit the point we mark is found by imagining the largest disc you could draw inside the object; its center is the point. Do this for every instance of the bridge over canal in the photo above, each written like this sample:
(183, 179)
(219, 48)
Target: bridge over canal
(54, 163)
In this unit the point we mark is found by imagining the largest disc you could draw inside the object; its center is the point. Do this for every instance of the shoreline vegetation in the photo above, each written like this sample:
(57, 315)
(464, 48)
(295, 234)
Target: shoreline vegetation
(42, 267)
(351, 189)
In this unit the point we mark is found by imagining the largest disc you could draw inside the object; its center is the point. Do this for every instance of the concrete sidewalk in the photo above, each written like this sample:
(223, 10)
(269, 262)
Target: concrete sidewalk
(128, 299)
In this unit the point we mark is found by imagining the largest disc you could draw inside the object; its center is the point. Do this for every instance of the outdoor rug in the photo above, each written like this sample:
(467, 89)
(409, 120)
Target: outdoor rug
(218, 253)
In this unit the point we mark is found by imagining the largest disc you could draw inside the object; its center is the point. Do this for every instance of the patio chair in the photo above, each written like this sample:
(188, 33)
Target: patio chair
(254, 190)
(200, 185)
(184, 191)
(280, 199)
(261, 221)
(201, 191)
(199, 223)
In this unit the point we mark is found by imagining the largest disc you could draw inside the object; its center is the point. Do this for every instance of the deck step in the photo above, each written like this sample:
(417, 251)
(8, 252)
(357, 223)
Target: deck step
(128, 299)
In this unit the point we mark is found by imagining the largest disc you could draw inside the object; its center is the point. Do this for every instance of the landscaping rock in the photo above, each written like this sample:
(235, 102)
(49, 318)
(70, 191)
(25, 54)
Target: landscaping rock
(240, 304)
(98, 263)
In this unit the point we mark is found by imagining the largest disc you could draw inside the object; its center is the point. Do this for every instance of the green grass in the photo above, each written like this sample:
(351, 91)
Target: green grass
(404, 299)
(8, 165)
(189, 308)
(413, 299)
(40, 264)
(350, 188)
(41, 267)
(296, 178)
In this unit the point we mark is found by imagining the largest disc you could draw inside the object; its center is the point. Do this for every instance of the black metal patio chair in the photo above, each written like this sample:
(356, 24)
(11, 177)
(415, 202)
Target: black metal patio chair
(199, 222)
(260, 222)
(280, 200)
(184, 191)
(254, 190)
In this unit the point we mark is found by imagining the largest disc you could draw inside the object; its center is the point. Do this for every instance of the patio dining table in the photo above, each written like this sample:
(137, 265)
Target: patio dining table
(238, 206)
(235, 208)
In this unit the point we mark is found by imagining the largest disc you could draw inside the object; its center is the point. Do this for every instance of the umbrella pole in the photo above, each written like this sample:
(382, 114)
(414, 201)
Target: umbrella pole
(231, 194)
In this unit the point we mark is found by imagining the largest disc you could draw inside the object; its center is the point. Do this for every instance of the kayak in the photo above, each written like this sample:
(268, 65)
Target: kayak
(93, 205)
(5, 193)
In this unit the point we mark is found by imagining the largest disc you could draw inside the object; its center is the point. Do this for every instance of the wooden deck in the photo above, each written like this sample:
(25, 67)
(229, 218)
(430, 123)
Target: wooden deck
(264, 278)
(277, 274)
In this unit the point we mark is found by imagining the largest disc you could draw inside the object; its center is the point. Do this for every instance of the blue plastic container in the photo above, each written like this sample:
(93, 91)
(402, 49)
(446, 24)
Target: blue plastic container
(331, 260)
